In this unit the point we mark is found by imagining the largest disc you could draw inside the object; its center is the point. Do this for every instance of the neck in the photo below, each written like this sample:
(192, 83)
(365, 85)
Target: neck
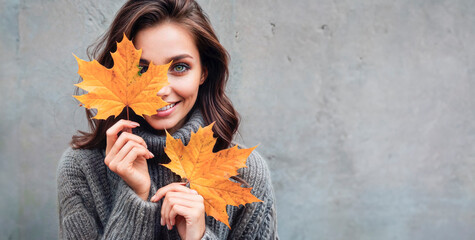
(156, 140)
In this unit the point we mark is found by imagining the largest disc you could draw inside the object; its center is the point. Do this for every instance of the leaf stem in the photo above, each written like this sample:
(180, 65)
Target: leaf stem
(127, 129)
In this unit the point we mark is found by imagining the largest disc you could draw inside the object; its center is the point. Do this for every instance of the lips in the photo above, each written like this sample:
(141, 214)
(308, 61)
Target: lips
(166, 107)
(167, 110)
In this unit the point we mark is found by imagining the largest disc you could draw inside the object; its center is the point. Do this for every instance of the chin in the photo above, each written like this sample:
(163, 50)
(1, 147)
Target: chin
(160, 125)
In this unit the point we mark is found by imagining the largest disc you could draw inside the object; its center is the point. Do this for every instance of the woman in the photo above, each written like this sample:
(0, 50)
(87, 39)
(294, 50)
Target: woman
(110, 183)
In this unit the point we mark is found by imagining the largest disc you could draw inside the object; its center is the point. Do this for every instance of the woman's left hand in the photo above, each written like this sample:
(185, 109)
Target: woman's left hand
(183, 207)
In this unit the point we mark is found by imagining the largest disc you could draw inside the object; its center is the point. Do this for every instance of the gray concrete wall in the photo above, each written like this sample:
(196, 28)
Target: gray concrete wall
(363, 109)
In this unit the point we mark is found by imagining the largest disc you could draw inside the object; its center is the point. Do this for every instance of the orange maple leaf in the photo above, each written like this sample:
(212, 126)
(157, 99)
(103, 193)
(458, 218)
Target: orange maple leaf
(208, 173)
(110, 90)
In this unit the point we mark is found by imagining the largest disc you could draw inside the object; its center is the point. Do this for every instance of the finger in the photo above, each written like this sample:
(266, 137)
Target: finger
(120, 149)
(123, 139)
(174, 187)
(163, 210)
(188, 196)
(124, 151)
(184, 199)
(135, 153)
(179, 210)
(112, 132)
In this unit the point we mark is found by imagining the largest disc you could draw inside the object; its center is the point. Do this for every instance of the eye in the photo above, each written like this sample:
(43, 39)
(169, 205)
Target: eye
(142, 70)
(180, 68)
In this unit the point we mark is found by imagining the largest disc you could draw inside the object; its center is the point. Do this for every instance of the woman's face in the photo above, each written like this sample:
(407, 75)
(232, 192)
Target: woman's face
(161, 44)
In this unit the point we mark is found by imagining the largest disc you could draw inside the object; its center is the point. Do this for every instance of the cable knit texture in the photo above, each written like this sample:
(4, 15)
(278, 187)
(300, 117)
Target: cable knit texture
(95, 203)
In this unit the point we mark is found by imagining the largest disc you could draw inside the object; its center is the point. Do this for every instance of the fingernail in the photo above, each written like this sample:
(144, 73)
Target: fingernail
(194, 191)
(151, 154)
(153, 199)
(162, 222)
(135, 124)
(168, 226)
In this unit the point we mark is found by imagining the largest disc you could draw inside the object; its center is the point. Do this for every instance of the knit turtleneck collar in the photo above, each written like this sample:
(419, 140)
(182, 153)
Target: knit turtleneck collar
(156, 143)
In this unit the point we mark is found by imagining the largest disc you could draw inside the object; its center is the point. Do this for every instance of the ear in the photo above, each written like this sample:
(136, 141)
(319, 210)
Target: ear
(204, 75)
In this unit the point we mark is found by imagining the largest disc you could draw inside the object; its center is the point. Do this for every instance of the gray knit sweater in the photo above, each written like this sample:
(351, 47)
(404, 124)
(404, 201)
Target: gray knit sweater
(95, 203)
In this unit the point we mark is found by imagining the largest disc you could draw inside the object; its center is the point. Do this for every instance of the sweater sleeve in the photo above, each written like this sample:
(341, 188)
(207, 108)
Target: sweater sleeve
(255, 220)
(130, 217)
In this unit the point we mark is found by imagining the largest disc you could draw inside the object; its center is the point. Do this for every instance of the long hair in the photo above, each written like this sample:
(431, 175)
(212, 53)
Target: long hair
(136, 15)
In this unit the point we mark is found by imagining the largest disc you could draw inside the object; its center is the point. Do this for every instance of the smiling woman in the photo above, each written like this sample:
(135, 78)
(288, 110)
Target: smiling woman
(107, 178)
(161, 44)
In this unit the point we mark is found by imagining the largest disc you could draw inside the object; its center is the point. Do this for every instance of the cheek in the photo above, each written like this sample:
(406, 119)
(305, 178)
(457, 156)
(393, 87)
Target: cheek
(188, 90)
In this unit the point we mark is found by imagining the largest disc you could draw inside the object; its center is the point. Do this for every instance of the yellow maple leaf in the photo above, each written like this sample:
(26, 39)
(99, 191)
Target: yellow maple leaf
(110, 90)
(208, 173)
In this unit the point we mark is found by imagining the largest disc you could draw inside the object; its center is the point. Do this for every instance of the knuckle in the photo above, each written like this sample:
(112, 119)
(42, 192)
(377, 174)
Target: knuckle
(140, 149)
(109, 132)
(171, 194)
(122, 168)
(131, 145)
(128, 143)
(134, 151)
(170, 197)
(120, 137)
(158, 192)
(195, 213)
(112, 167)
(134, 144)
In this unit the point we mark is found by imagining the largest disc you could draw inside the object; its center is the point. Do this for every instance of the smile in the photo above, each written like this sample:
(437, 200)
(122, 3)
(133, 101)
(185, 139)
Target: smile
(166, 107)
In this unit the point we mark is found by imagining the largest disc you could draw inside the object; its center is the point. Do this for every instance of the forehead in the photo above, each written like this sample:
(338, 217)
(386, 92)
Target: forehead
(165, 40)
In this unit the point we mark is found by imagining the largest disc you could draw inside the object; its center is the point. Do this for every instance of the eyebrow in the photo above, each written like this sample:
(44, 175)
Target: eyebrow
(174, 58)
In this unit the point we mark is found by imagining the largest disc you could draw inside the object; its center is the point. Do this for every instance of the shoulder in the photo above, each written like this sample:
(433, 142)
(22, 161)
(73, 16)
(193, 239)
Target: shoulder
(76, 161)
(257, 165)
(257, 173)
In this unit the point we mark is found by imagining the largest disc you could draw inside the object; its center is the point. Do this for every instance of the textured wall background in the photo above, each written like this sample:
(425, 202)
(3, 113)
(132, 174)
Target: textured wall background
(364, 110)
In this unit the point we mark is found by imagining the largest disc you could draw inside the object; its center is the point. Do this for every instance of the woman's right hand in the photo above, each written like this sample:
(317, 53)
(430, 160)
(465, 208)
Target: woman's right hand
(127, 155)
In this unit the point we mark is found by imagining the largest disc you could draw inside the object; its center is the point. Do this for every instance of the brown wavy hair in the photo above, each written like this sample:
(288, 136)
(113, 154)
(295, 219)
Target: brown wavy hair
(136, 15)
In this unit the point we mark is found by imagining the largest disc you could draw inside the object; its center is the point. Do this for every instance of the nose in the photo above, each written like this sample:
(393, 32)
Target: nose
(164, 91)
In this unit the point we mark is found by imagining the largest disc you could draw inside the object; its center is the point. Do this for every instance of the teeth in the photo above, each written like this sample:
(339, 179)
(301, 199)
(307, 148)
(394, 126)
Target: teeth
(167, 107)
